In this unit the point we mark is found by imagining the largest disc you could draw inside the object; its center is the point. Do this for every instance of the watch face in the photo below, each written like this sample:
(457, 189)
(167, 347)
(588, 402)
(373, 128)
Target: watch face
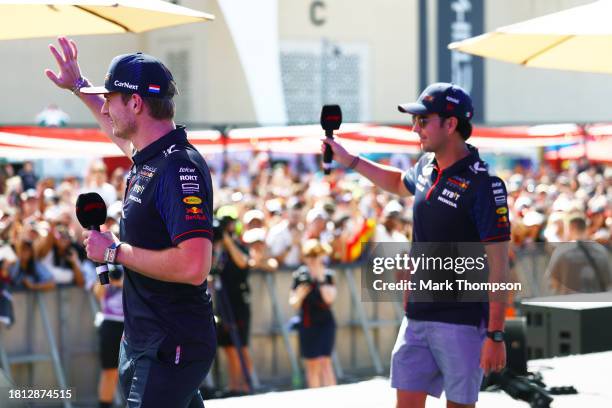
(497, 336)
(109, 255)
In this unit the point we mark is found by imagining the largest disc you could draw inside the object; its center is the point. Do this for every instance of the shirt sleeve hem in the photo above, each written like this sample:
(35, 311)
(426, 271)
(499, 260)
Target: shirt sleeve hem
(497, 238)
(411, 189)
(204, 233)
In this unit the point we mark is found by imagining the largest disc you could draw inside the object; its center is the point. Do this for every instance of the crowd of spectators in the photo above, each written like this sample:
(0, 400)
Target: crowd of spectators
(40, 236)
(269, 211)
(542, 201)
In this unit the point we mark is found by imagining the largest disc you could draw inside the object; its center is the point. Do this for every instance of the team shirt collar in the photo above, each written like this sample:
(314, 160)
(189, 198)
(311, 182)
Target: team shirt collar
(176, 136)
(459, 165)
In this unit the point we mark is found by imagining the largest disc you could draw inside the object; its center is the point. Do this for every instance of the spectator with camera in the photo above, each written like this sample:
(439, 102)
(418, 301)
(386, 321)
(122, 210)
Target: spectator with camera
(59, 252)
(232, 299)
(233, 262)
(28, 271)
(313, 292)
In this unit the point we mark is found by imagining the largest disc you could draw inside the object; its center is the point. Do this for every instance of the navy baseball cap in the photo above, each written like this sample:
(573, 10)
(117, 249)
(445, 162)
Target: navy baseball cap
(135, 73)
(442, 98)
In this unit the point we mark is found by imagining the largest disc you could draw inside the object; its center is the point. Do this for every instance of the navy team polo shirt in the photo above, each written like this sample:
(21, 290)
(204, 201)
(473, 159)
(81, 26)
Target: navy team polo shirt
(168, 200)
(461, 203)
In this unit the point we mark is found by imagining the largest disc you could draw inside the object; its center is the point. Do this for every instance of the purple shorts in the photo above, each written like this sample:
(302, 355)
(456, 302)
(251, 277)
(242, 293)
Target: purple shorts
(433, 357)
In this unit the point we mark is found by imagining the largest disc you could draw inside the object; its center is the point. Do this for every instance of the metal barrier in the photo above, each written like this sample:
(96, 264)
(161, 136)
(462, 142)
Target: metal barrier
(365, 333)
(27, 349)
(56, 328)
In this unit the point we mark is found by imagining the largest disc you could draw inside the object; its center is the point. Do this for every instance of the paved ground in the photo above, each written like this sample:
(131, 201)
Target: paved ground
(590, 374)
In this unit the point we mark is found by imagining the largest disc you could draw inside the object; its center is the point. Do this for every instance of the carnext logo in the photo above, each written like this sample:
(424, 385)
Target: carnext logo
(125, 85)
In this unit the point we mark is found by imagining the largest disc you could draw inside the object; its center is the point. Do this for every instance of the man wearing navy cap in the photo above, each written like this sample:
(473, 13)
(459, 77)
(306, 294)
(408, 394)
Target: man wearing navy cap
(165, 243)
(446, 345)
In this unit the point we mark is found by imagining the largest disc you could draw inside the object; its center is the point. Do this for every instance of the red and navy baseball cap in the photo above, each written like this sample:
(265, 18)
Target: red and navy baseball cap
(444, 99)
(135, 73)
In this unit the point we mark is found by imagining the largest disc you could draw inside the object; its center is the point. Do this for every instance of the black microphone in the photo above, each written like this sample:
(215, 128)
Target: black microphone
(331, 119)
(91, 213)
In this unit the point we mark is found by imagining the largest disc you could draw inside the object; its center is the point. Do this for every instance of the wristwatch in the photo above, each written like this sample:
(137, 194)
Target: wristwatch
(110, 253)
(496, 335)
(80, 83)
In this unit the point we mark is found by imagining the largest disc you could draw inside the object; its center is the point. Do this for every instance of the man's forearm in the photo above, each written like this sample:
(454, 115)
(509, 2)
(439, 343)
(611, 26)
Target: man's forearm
(176, 264)
(497, 315)
(497, 254)
(386, 177)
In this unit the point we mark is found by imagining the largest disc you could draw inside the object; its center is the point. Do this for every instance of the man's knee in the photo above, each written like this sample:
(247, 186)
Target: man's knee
(411, 399)
(451, 404)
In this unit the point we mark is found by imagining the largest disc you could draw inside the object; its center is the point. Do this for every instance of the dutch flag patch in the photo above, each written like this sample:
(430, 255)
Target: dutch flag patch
(154, 89)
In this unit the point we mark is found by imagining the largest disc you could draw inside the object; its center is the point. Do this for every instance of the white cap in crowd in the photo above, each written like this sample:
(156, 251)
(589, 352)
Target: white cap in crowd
(314, 213)
(253, 215)
(254, 235)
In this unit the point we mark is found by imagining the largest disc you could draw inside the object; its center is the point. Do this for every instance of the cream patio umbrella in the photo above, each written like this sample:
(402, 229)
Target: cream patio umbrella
(576, 39)
(31, 18)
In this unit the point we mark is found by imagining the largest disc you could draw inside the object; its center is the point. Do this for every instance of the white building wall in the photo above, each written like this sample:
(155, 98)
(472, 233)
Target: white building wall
(387, 31)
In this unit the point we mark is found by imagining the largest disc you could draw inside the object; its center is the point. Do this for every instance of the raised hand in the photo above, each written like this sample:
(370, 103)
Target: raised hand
(69, 72)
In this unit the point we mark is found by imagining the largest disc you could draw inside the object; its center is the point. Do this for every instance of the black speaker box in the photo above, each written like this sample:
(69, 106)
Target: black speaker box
(516, 345)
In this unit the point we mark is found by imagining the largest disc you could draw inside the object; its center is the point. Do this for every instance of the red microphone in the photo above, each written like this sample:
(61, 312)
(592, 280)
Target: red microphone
(331, 119)
(91, 213)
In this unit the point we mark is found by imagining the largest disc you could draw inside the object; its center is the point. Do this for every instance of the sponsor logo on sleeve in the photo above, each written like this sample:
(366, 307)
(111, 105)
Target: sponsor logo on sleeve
(496, 184)
(186, 170)
(194, 213)
(501, 211)
(498, 191)
(500, 200)
(192, 200)
(194, 210)
(190, 188)
(138, 189)
(198, 217)
(188, 177)
(134, 198)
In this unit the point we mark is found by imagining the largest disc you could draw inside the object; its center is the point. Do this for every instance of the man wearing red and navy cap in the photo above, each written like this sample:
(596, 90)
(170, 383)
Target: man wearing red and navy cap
(446, 345)
(169, 340)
